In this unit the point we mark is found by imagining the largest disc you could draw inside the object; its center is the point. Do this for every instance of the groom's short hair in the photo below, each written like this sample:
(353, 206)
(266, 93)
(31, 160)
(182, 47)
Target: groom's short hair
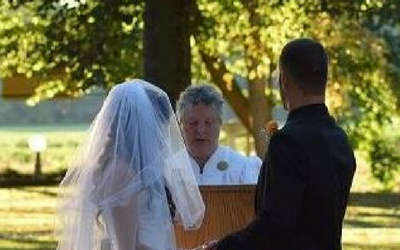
(307, 64)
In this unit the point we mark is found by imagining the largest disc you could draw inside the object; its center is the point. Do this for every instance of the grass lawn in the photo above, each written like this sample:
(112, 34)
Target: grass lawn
(62, 142)
(372, 222)
(27, 220)
(27, 214)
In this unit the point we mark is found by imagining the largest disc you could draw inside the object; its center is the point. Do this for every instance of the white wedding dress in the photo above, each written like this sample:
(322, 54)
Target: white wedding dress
(113, 197)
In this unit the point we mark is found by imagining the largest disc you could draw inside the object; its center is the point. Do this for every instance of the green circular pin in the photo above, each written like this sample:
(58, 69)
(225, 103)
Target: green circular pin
(222, 165)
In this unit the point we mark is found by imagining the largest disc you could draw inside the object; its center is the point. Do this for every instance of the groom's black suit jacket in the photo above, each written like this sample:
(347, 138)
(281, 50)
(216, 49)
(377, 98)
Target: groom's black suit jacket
(303, 187)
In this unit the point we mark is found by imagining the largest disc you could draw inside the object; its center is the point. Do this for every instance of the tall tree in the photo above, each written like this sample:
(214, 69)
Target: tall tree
(234, 44)
(167, 45)
(238, 42)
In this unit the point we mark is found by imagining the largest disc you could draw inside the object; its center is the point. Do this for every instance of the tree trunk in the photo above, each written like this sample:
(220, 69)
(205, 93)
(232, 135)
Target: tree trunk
(260, 113)
(255, 110)
(167, 45)
(232, 94)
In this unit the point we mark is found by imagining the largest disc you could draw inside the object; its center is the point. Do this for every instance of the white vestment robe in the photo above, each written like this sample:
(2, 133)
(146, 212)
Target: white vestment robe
(227, 167)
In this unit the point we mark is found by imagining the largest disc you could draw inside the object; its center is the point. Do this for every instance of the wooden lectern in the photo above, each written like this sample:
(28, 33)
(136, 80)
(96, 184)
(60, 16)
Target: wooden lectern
(228, 208)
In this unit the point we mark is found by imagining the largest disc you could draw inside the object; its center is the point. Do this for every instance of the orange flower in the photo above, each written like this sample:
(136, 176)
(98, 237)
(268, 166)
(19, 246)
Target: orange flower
(271, 128)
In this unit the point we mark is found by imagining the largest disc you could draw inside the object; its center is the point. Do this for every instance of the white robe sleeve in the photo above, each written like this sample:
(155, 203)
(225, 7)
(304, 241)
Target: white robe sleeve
(244, 169)
(252, 169)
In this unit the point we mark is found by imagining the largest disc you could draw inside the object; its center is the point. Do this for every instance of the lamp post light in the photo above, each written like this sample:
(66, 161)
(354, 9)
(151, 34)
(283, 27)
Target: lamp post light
(37, 144)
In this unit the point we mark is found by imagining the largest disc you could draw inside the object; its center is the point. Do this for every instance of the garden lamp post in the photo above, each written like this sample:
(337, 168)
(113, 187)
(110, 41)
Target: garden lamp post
(37, 144)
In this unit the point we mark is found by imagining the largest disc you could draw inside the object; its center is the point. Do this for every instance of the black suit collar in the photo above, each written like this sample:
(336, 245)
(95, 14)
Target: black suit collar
(313, 110)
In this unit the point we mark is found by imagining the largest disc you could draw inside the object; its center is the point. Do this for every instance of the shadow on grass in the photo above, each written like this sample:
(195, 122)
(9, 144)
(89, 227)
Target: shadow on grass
(27, 240)
(373, 210)
(360, 246)
(10, 178)
(33, 247)
(37, 191)
(29, 245)
(389, 216)
(365, 224)
(24, 234)
(383, 200)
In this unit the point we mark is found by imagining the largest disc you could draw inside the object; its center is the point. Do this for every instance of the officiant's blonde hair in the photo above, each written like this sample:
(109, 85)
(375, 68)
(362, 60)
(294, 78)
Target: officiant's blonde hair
(200, 93)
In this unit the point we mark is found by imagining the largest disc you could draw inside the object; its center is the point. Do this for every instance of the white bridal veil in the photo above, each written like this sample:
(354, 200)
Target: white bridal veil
(114, 195)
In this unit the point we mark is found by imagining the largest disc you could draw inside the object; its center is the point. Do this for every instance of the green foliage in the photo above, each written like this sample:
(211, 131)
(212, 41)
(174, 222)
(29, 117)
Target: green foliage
(384, 162)
(247, 36)
(95, 43)
(22, 33)
(362, 80)
(248, 39)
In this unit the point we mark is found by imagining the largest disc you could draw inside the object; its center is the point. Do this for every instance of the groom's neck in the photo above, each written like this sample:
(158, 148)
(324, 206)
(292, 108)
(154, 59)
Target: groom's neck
(301, 101)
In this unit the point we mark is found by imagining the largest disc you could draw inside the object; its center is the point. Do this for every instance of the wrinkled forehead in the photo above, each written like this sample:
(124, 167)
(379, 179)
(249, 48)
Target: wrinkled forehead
(200, 111)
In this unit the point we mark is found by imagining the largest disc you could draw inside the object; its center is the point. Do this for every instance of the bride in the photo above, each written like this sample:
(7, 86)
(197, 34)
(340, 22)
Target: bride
(114, 197)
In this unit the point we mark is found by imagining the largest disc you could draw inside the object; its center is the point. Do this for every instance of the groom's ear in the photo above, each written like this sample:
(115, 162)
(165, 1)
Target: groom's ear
(284, 79)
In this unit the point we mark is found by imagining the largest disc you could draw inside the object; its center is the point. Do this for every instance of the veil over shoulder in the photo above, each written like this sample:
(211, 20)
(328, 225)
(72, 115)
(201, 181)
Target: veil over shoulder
(113, 195)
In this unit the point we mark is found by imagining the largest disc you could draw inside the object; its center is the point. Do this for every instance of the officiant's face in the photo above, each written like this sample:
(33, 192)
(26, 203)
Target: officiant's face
(201, 125)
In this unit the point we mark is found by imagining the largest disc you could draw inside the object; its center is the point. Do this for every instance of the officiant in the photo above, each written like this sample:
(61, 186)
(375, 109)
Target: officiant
(199, 112)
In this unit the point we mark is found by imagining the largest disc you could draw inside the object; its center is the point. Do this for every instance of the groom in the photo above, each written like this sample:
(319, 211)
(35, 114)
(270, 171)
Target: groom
(305, 180)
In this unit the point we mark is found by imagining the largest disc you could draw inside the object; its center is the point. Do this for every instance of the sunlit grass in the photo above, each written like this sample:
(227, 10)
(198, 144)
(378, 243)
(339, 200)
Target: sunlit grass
(27, 215)
(371, 238)
(372, 222)
(27, 220)
(62, 142)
